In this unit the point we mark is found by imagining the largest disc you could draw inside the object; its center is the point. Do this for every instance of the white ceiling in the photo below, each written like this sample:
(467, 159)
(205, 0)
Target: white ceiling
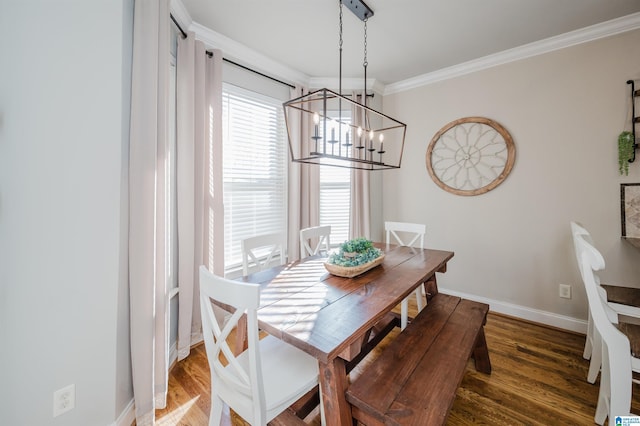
(406, 38)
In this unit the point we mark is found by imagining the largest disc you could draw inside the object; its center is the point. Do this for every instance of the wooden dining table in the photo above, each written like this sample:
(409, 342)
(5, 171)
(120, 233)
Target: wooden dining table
(331, 317)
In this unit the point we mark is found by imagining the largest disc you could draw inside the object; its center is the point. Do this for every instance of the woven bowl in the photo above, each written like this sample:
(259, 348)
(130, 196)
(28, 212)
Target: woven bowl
(352, 271)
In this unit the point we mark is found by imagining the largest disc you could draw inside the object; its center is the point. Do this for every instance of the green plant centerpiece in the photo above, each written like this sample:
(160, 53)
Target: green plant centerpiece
(354, 257)
(626, 148)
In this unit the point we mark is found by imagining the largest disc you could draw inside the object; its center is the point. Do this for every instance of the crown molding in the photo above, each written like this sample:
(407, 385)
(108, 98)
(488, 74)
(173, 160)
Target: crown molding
(240, 53)
(244, 55)
(584, 35)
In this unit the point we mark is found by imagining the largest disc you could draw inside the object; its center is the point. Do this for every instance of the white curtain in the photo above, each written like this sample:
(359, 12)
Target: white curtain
(214, 204)
(360, 212)
(304, 184)
(147, 207)
(199, 115)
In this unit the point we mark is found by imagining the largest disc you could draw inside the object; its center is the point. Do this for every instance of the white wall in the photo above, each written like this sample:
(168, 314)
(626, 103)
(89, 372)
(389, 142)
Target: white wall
(63, 137)
(564, 110)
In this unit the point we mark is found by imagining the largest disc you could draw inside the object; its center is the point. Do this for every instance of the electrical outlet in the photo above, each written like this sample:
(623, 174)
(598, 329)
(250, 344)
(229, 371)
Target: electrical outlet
(64, 400)
(565, 291)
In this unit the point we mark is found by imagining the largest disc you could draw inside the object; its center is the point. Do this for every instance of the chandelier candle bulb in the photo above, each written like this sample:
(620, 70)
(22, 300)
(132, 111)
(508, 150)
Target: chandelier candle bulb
(360, 147)
(316, 121)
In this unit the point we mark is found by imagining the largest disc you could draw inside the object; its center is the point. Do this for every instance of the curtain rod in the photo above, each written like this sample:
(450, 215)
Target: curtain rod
(184, 35)
(210, 54)
(254, 71)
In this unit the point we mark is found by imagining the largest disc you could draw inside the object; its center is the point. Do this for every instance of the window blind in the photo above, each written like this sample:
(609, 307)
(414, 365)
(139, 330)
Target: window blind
(335, 193)
(254, 168)
(335, 201)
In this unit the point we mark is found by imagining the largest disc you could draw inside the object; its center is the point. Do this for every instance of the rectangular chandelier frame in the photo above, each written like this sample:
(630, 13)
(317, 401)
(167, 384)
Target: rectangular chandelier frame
(339, 131)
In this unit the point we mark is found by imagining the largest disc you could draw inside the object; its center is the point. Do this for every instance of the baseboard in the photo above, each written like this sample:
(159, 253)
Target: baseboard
(127, 416)
(173, 353)
(530, 314)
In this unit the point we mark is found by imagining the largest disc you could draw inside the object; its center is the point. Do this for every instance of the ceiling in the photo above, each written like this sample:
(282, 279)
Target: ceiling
(406, 38)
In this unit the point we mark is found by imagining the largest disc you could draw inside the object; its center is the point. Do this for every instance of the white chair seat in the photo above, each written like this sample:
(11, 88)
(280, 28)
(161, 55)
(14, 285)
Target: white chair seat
(287, 373)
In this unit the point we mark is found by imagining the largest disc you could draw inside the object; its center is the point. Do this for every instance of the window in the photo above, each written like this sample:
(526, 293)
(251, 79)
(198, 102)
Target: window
(335, 198)
(254, 169)
(335, 201)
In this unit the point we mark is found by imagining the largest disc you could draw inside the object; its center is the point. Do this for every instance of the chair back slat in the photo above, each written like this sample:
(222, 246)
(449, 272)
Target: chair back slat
(254, 249)
(313, 239)
(236, 380)
(579, 232)
(416, 232)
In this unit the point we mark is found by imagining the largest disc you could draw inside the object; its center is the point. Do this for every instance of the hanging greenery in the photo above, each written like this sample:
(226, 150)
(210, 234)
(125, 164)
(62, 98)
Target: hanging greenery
(626, 146)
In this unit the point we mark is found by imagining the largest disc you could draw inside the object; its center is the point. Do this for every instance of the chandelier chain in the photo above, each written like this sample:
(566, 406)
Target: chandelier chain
(340, 44)
(365, 63)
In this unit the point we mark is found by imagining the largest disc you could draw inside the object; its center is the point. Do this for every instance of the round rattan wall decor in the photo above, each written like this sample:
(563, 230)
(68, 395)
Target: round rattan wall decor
(470, 156)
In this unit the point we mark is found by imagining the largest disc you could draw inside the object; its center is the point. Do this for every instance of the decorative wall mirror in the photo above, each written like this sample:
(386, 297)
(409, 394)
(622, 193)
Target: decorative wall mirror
(470, 156)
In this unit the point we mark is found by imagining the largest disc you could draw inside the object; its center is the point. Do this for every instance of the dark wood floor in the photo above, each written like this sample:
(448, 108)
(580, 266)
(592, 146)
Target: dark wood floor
(538, 378)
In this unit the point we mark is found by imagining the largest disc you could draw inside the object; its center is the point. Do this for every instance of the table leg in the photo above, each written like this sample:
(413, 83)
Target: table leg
(241, 342)
(431, 287)
(333, 385)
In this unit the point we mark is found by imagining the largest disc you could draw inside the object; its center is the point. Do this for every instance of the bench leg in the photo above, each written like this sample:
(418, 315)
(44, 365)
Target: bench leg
(481, 354)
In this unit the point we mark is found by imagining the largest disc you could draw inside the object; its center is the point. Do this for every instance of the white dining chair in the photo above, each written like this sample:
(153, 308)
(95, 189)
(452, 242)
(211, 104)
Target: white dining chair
(265, 379)
(313, 239)
(614, 397)
(413, 233)
(615, 311)
(261, 250)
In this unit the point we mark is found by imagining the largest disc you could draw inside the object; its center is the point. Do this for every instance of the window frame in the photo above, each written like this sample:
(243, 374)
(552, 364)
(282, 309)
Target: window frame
(233, 234)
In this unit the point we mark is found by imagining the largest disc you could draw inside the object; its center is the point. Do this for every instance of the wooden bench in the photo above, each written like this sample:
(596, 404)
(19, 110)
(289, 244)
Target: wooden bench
(414, 381)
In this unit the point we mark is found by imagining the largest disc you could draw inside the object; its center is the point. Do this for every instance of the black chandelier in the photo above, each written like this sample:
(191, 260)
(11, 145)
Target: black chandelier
(325, 127)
